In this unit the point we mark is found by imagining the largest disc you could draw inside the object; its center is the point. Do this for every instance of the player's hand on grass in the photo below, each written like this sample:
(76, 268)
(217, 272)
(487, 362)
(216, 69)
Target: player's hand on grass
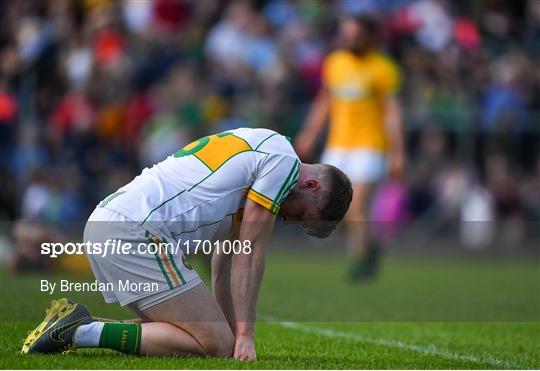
(244, 349)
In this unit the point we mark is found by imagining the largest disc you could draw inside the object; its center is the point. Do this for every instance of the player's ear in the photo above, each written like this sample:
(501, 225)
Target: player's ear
(311, 184)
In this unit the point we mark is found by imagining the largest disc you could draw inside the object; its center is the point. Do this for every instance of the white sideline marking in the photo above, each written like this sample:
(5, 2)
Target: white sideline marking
(430, 349)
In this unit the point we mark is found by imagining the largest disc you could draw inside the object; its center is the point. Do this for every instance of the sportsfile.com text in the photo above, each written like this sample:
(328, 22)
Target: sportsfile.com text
(118, 247)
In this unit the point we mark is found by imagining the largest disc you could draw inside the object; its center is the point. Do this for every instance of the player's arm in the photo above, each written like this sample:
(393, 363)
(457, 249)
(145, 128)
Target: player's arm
(314, 124)
(221, 282)
(246, 275)
(394, 127)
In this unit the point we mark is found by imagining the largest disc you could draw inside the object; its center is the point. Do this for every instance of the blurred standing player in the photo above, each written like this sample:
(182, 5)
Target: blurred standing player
(365, 139)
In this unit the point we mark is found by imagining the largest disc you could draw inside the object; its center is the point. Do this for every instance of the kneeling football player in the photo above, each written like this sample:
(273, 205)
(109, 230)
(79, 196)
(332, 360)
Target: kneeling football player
(224, 187)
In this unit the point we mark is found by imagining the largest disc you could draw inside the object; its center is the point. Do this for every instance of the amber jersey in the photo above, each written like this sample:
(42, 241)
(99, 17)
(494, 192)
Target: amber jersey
(358, 87)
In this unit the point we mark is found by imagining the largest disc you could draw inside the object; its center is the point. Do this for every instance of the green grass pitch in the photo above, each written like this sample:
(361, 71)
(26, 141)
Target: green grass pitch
(436, 312)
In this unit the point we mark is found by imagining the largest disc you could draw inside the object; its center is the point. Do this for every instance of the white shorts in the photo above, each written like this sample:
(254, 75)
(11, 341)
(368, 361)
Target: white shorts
(139, 276)
(360, 165)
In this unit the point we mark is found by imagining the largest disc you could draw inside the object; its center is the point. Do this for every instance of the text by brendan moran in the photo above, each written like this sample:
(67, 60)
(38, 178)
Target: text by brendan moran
(95, 286)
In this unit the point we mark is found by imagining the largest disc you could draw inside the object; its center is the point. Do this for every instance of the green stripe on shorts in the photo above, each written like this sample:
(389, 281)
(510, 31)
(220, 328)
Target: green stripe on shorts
(160, 263)
(174, 265)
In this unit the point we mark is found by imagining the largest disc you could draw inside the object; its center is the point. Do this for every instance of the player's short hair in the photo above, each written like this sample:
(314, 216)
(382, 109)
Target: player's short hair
(339, 196)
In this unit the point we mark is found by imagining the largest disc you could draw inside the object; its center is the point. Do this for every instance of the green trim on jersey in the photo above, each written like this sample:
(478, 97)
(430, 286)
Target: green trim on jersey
(201, 143)
(204, 163)
(110, 198)
(292, 184)
(158, 206)
(176, 235)
(242, 139)
(264, 140)
(289, 189)
(294, 170)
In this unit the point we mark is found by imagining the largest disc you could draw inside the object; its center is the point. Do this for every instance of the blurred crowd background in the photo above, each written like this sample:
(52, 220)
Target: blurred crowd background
(92, 91)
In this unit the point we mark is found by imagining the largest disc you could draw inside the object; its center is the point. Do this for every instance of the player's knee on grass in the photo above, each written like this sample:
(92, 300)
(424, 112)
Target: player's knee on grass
(219, 342)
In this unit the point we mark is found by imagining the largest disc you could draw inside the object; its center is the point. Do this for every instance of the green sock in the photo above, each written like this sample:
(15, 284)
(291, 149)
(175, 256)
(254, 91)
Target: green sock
(123, 337)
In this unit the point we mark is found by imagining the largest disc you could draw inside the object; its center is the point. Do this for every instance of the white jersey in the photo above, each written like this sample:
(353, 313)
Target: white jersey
(202, 186)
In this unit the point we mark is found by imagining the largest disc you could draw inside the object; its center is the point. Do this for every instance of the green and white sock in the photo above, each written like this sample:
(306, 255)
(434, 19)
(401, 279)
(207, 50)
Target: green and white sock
(123, 337)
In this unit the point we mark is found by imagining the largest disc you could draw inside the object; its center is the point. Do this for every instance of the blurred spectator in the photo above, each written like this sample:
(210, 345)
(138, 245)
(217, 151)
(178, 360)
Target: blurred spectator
(137, 15)
(228, 41)
(27, 256)
(434, 24)
(92, 91)
(8, 116)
